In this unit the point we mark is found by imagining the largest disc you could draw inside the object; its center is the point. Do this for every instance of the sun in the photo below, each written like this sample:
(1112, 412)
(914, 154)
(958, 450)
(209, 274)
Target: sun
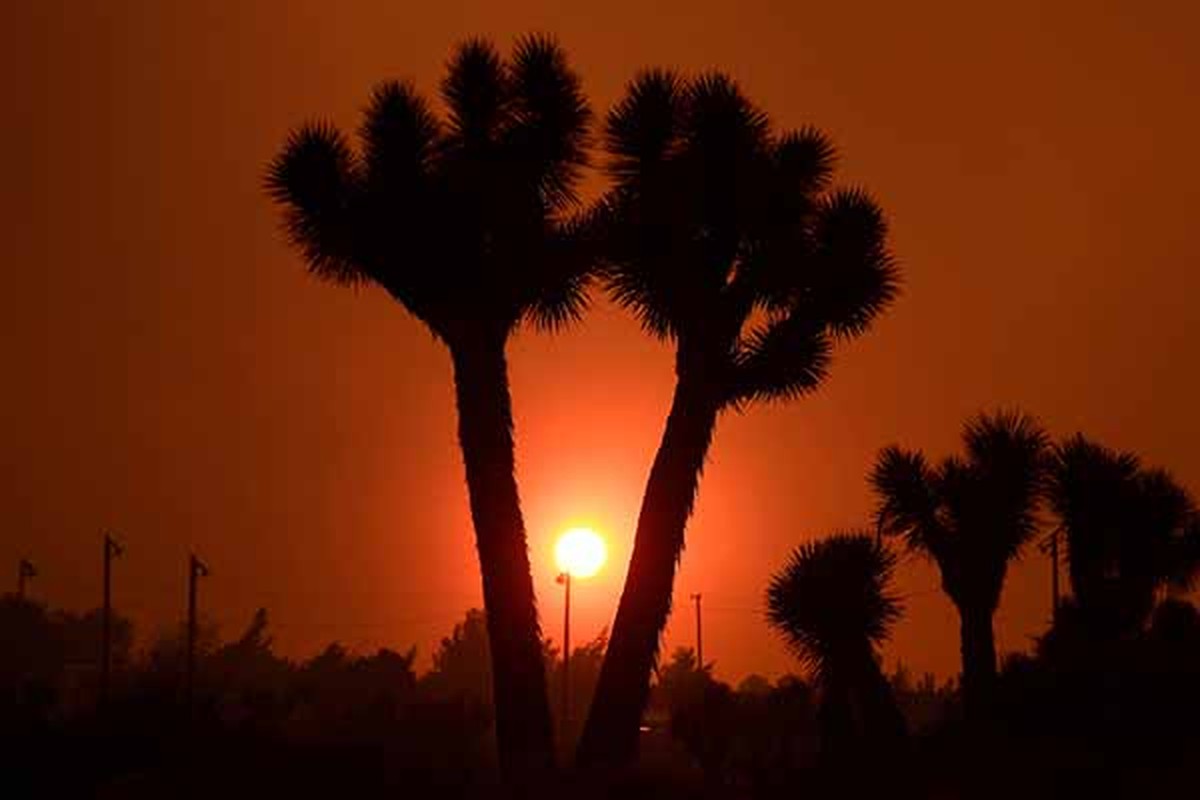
(580, 552)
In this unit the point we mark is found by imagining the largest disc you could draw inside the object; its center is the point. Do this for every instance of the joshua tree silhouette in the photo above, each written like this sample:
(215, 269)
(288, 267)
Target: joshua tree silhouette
(723, 237)
(972, 516)
(465, 222)
(833, 606)
(1130, 531)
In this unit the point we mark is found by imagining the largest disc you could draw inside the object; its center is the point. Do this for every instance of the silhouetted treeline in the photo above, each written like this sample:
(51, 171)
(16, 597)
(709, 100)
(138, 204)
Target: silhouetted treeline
(338, 718)
(333, 720)
(1077, 709)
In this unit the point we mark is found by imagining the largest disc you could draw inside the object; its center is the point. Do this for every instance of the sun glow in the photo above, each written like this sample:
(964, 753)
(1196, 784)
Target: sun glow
(580, 552)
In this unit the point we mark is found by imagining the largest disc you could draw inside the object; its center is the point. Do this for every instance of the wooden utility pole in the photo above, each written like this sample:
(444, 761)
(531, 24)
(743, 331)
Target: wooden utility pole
(1050, 545)
(112, 549)
(699, 634)
(25, 571)
(196, 570)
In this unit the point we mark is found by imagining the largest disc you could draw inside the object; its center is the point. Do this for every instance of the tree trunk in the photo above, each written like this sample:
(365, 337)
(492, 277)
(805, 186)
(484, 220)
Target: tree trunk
(610, 736)
(978, 662)
(836, 722)
(523, 727)
(884, 724)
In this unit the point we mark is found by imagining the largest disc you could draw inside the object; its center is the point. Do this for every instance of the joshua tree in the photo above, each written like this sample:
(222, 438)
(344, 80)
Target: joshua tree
(972, 516)
(724, 238)
(832, 605)
(1130, 532)
(463, 221)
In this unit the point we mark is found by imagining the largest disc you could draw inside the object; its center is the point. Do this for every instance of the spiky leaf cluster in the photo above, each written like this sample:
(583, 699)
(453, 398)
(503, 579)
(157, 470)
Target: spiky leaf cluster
(727, 237)
(467, 219)
(972, 513)
(832, 601)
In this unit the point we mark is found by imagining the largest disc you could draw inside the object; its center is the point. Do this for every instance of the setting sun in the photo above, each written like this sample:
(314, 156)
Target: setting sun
(580, 552)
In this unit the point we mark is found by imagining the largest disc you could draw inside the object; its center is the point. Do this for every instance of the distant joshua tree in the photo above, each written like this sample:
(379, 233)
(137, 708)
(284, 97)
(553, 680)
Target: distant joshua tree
(464, 221)
(723, 237)
(1131, 531)
(832, 603)
(971, 515)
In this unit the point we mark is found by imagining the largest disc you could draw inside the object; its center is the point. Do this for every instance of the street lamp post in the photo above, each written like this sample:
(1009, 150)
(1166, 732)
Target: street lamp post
(580, 553)
(565, 579)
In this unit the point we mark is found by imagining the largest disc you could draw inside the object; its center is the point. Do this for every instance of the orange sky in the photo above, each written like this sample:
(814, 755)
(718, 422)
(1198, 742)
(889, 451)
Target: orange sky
(173, 373)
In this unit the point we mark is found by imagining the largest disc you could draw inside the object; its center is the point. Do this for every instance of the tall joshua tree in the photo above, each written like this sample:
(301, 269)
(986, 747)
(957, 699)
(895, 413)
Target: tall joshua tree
(832, 603)
(1131, 530)
(724, 238)
(972, 516)
(464, 221)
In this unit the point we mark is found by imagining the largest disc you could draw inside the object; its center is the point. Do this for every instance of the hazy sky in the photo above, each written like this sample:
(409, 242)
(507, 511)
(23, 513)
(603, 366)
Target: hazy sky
(171, 371)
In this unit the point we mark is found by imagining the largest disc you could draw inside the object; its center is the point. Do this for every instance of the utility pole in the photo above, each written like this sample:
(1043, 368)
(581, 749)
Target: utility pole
(112, 549)
(699, 634)
(196, 569)
(565, 579)
(25, 571)
(1050, 545)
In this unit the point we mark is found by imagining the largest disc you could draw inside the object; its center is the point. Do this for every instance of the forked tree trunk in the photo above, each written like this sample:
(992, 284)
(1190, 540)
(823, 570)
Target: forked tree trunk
(978, 662)
(610, 736)
(523, 727)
